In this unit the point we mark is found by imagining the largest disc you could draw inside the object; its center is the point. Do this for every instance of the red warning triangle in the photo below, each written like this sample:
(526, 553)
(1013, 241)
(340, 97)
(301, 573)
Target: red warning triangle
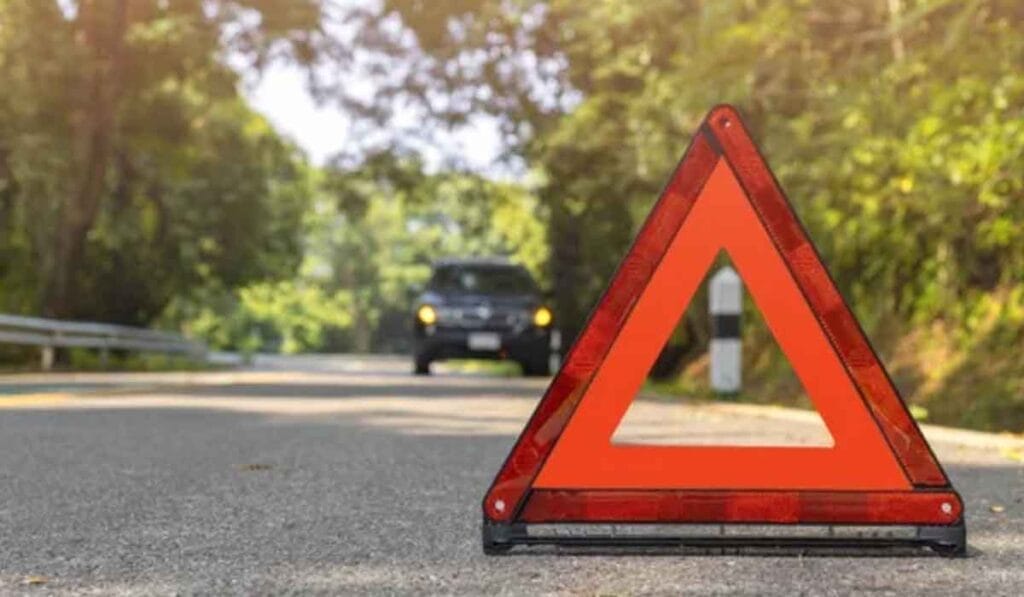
(564, 467)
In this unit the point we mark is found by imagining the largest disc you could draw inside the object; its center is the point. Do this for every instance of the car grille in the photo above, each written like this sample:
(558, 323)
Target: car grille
(490, 318)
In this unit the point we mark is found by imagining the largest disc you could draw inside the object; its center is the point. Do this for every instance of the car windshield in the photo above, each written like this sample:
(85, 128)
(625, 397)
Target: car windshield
(483, 279)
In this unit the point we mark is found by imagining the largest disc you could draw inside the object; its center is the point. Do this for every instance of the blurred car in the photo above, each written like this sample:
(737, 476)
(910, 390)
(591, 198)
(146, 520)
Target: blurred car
(484, 309)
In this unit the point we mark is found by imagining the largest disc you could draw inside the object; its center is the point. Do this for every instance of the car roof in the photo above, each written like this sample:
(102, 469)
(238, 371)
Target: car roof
(457, 261)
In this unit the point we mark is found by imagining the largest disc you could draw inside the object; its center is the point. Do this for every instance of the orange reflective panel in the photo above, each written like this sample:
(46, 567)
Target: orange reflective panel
(722, 219)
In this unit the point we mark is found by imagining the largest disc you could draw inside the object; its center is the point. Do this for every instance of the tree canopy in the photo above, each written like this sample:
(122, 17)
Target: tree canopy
(127, 152)
(897, 127)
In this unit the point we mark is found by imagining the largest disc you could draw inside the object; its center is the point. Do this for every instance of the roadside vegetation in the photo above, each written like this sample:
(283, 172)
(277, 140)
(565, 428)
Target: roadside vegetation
(137, 187)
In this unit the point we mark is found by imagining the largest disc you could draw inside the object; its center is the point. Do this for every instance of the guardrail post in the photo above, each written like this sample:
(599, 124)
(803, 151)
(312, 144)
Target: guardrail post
(49, 355)
(105, 350)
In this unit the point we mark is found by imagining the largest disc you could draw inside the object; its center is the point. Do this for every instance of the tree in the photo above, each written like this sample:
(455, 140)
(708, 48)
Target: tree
(894, 126)
(128, 150)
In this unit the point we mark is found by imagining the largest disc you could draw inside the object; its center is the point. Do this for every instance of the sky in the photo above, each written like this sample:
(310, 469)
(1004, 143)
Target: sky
(322, 131)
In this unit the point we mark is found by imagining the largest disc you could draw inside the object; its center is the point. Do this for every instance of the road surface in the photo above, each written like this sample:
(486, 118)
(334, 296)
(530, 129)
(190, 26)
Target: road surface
(347, 475)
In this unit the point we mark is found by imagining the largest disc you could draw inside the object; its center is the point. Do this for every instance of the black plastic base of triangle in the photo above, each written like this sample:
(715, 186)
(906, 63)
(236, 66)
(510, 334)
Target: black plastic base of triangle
(948, 541)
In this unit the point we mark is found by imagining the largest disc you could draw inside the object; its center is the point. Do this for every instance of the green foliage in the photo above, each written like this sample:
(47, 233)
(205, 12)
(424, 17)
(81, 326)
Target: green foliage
(81, 359)
(302, 314)
(126, 153)
(895, 127)
(288, 317)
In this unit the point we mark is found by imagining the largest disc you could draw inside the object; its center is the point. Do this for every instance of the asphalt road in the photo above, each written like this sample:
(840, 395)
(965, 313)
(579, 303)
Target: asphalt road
(347, 475)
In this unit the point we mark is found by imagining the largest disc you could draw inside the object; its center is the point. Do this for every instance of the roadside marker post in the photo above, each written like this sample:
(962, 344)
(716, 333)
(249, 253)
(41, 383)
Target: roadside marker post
(725, 302)
(879, 471)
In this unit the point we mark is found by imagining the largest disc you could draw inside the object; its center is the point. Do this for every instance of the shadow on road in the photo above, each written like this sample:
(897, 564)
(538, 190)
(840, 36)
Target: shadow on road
(191, 499)
(435, 388)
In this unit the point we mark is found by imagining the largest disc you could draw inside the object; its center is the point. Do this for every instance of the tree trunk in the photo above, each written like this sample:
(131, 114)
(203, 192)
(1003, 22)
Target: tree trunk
(8, 189)
(563, 235)
(101, 29)
(899, 50)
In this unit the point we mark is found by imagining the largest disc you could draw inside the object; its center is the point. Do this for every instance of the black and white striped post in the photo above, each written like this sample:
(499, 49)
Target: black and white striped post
(726, 305)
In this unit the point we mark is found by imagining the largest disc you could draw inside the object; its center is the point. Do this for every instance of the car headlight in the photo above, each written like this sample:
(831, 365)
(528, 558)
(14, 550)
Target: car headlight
(542, 317)
(427, 315)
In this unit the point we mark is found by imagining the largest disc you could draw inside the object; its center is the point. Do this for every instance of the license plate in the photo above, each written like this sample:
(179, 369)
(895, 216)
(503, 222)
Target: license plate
(484, 341)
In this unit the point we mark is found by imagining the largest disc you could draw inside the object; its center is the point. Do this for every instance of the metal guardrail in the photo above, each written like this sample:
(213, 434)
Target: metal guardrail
(50, 334)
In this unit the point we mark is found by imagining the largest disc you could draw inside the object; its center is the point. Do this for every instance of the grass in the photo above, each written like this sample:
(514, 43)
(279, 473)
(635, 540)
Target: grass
(946, 378)
(80, 359)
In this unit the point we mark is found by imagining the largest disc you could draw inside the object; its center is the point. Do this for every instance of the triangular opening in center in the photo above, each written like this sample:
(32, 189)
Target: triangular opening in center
(679, 406)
